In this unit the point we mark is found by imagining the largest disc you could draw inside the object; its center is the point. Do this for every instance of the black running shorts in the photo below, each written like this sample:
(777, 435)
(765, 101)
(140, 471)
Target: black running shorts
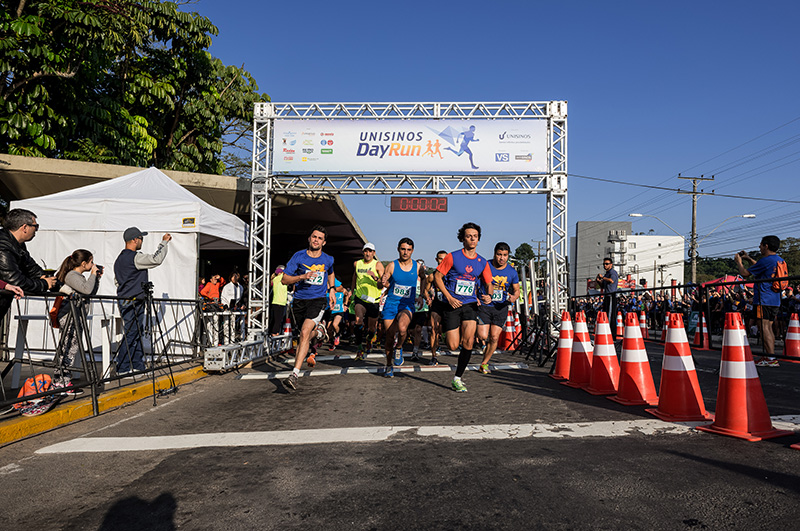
(489, 315)
(312, 309)
(453, 317)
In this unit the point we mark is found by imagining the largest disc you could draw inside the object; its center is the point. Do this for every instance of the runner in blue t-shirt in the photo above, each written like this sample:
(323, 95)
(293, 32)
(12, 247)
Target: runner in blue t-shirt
(400, 278)
(765, 300)
(492, 317)
(334, 314)
(311, 272)
(457, 277)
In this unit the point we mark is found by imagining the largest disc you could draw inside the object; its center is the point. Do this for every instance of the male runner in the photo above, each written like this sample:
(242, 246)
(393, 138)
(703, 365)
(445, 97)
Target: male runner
(334, 315)
(311, 271)
(437, 309)
(457, 277)
(400, 279)
(492, 316)
(366, 294)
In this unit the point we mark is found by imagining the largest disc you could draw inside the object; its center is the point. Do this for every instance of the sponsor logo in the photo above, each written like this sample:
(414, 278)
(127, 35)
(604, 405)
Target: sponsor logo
(505, 135)
(305, 159)
(526, 157)
(288, 158)
(308, 150)
(287, 142)
(326, 142)
(326, 134)
(330, 142)
(288, 150)
(326, 151)
(502, 157)
(188, 222)
(308, 133)
(289, 133)
(308, 142)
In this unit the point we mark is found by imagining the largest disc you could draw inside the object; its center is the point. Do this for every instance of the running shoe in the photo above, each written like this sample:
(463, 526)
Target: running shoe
(458, 386)
(388, 371)
(415, 356)
(484, 368)
(767, 362)
(434, 361)
(291, 381)
(311, 360)
(331, 348)
(397, 357)
(336, 341)
(360, 354)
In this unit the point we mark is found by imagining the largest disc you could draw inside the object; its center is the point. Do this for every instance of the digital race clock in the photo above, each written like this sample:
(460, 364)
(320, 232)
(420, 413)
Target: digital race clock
(419, 204)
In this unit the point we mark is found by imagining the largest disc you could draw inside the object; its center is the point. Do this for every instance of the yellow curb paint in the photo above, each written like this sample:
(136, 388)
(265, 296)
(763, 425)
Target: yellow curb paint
(21, 427)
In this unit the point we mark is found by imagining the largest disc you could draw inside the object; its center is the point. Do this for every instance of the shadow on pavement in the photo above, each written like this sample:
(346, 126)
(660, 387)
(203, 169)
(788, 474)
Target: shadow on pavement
(135, 513)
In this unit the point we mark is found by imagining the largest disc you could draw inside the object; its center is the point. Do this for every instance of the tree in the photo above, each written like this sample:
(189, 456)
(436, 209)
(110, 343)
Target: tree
(117, 81)
(524, 253)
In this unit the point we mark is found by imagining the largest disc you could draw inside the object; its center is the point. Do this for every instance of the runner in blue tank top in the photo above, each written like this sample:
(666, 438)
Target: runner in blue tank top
(492, 317)
(400, 279)
(457, 277)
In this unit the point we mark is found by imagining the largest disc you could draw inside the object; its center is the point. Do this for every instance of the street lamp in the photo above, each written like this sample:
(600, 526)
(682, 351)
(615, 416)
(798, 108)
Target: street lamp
(694, 245)
(636, 215)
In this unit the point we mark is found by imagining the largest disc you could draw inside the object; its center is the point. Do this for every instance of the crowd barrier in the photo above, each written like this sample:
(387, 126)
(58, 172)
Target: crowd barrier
(175, 332)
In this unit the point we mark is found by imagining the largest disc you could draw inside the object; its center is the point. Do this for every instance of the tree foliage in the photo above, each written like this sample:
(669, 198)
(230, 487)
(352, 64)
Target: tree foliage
(711, 268)
(524, 253)
(117, 81)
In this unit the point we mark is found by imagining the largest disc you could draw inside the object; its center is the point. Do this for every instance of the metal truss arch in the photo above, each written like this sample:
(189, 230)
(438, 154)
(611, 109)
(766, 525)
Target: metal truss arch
(266, 184)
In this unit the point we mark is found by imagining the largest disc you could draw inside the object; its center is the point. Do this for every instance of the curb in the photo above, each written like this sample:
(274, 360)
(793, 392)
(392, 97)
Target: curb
(22, 427)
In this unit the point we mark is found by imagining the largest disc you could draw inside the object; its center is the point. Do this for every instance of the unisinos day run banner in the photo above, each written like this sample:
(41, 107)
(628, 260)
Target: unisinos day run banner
(409, 146)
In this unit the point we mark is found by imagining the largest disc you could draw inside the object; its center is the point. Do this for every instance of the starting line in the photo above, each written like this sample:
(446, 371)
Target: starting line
(371, 434)
(377, 370)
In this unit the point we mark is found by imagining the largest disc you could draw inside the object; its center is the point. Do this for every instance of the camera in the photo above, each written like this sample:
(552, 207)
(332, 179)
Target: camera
(99, 269)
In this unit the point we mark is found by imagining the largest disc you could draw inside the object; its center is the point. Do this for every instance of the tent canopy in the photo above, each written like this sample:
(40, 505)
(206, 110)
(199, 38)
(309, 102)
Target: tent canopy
(147, 199)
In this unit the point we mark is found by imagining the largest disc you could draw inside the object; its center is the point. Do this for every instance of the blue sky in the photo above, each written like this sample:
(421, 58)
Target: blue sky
(654, 89)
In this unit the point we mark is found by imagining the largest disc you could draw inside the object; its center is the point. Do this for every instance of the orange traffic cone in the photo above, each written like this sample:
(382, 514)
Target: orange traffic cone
(741, 407)
(664, 328)
(620, 328)
(580, 362)
(287, 326)
(517, 330)
(701, 335)
(791, 347)
(679, 394)
(636, 385)
(507, 335)
(564, 352)
(643, 325)
(605, 366)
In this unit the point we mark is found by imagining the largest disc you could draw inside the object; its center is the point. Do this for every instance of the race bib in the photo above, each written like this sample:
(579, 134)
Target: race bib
(465, 288)
(317, 278)
(498, 295)
(402, 291)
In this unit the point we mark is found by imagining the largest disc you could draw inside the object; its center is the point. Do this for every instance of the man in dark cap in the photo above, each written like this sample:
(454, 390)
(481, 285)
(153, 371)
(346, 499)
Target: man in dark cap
(130, 271)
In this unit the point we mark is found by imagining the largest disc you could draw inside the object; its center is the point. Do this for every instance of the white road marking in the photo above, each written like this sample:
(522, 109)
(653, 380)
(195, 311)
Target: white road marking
(383, 433)
(376, 370)
(10, 469)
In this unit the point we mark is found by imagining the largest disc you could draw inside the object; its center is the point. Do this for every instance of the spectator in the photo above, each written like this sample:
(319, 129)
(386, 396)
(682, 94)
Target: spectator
(765, 301)
(230, 298)
(17, 268)
(277, 309)
(70, 274)
(130, 270)
(212, 289)
(608, 285)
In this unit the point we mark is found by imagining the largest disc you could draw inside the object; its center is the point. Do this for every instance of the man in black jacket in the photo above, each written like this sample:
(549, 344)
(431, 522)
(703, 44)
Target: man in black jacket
(16, 265)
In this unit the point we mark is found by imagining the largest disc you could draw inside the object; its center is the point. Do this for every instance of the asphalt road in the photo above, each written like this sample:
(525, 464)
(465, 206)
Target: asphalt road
(518, 450)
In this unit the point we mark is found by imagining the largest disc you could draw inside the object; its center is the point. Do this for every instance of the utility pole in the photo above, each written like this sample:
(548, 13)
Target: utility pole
(693, 242)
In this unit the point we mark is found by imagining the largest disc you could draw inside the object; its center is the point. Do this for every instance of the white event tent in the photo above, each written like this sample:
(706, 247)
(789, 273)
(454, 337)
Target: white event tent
(94, 217)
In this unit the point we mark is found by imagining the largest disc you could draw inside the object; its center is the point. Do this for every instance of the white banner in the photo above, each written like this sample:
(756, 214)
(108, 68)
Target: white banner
(410, 146)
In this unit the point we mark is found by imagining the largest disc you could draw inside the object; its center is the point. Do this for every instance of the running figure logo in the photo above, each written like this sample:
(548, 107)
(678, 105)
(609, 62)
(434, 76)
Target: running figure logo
(433, 149)
(465, 138)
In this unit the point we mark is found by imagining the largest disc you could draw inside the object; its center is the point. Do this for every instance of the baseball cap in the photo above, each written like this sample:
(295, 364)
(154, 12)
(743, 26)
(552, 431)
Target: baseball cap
(369, 246)
(131, 233)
